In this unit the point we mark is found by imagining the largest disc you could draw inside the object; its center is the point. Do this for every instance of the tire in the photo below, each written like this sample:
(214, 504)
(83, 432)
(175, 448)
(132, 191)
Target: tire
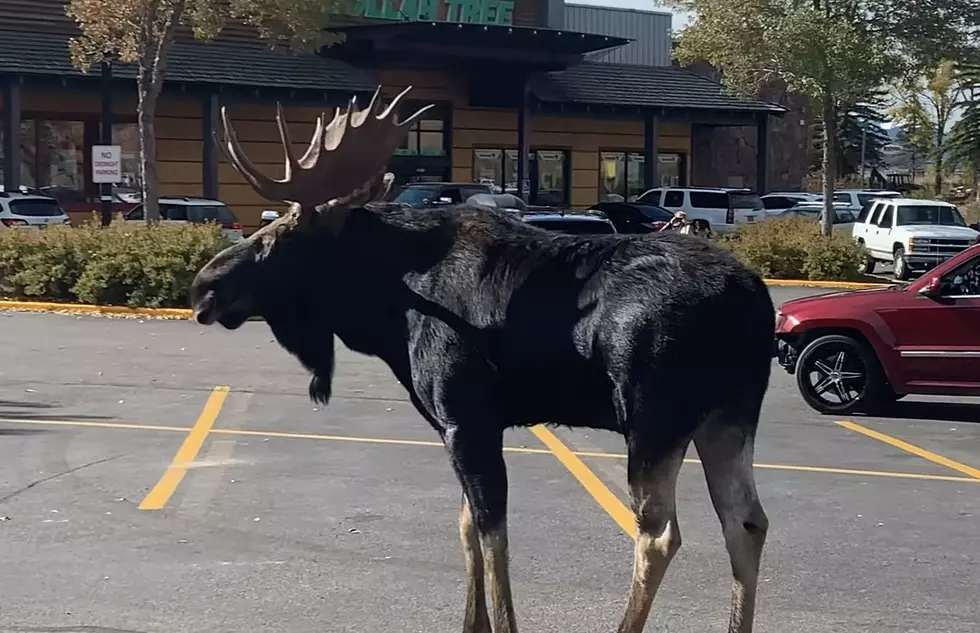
(855, 380)
(867, 265)
(902, 272)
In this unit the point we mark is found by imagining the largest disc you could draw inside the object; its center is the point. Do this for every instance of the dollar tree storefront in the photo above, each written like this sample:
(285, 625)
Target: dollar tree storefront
(516, 104)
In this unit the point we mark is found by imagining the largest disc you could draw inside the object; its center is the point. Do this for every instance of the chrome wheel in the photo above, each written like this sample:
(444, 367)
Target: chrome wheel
(834, 374)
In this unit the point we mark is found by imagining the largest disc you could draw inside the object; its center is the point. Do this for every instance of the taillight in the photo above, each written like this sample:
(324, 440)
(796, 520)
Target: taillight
(656, 226)
(234, 226)
(8, 222)
(730, 216)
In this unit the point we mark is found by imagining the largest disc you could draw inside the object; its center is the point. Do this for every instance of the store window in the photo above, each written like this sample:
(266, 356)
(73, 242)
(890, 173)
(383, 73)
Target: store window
(621, 174)
(127, 136)
(53, 157)
(548, 173)
(427, 135)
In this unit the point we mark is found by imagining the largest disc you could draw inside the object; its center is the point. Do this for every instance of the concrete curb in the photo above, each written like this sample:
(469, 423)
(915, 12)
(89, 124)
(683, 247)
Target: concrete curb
(184, 313)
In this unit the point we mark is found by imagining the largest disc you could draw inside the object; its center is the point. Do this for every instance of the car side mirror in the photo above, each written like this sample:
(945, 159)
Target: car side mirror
(932, 289)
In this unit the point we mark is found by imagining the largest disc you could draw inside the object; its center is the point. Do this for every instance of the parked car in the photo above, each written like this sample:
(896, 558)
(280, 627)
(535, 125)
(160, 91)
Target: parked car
(196, 211)
(912, 234)
(843, 220)
(634, 217)
(30, 211)
(777, 202)
(856, 199)
(861, 350)
(575, 222)
(721, 208)
(423, 195)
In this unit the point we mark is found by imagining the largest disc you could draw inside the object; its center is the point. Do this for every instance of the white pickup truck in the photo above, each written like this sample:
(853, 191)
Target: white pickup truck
(912, 234)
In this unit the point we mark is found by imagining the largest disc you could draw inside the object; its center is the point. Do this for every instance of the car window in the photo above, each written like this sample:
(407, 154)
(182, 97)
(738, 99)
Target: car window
(210, 213)
(865, 198)
(746, 201)
(780, 202)
(964, 280)
(929, 214)
(37, 208)
(573, 226)
(651, 196)
(886, 217)
(674, 198)
(136, 213)
(466, 192)
(842, 216)
(417, 195)
(866, 211)
(708, 200)
(616, 212)
(650, 212)
(842, 197)
(173, 212)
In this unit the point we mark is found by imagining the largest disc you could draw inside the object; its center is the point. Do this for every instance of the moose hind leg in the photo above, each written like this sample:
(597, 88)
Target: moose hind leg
(726, 450)
(476, 619)
(658, 537)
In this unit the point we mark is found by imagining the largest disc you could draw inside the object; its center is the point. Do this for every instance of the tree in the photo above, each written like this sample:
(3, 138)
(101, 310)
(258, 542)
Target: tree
(964, 138)
(936, 97)
(916, 132)
(142, 32)
(835, 51)
(861, 136)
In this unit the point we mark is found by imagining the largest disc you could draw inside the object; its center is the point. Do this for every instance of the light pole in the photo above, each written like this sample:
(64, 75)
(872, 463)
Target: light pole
(864, 149)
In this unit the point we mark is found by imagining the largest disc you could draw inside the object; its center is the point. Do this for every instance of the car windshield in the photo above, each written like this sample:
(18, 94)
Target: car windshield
(415, 196)
(747, 201)
(865, 198)
(35, 208)
(212, 213)
(929, 214)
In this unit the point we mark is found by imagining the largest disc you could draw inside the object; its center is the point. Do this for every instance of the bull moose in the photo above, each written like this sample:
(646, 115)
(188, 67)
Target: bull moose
(490, 323)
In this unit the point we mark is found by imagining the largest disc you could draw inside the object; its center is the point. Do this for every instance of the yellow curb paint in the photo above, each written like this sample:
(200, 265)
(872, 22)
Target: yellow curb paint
(847, 285)
(911, 448)
(609, 502)
(161, 493)
(41, 306)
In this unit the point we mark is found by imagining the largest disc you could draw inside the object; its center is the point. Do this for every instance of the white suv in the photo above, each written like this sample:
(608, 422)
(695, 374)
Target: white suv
(912, 234)
(29, 211)
(719, 208)
(195, 211)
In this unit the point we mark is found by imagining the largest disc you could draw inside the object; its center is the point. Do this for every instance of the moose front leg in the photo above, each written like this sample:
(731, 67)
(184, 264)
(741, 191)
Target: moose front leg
(479, 464)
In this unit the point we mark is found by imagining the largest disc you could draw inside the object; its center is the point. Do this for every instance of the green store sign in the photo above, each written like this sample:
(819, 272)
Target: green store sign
(468, 11)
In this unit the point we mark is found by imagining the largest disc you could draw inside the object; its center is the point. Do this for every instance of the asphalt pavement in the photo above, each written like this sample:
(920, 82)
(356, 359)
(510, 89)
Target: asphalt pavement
(139, 495)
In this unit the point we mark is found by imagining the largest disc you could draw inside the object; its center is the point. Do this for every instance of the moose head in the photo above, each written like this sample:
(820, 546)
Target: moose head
(342, 168)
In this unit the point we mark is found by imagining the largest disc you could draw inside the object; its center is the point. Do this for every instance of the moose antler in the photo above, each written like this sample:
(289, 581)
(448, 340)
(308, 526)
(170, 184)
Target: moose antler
(344, 154)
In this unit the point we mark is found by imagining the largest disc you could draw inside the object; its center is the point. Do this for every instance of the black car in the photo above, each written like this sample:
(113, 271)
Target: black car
(425, 195)
(634, 217)
(546, 217)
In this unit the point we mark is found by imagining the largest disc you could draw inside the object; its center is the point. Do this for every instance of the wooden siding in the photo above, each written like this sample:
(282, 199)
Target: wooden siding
(179, 137)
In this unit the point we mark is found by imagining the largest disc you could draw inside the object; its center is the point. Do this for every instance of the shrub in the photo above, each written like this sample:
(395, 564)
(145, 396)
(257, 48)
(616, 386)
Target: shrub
(793, 248)
(130, 264)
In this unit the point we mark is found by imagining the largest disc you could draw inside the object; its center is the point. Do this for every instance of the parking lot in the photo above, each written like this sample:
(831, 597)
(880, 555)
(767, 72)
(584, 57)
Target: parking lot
(158, 476)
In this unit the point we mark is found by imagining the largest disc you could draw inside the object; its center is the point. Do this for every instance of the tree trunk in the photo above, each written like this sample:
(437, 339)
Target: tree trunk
(938, 162)
(146, 111)
(828, 163)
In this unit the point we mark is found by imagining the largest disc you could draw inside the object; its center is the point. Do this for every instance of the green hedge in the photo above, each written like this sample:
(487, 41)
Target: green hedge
(128, 263)
(794, 248)
(135, 264)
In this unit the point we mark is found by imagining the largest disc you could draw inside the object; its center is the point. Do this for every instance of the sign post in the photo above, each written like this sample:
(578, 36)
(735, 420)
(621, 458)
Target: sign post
(106, 171)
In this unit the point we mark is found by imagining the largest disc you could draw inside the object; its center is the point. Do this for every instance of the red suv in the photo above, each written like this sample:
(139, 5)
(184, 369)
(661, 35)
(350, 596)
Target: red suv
(862, 350)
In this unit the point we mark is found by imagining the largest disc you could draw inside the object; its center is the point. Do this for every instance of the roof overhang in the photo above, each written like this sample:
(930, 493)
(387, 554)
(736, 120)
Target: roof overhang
(449, 43)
